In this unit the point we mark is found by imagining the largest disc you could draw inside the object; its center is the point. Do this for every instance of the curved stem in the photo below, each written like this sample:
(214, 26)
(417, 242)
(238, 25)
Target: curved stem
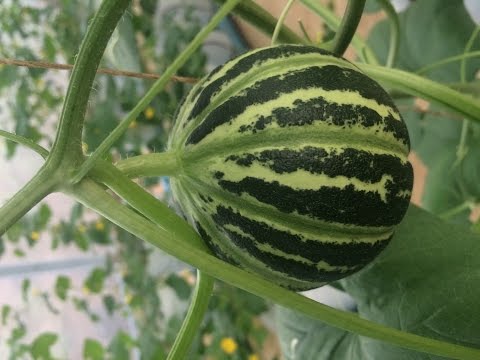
(155, 164)
(154, 90)
(170, 224)
(415, 85)
(333, 22)
(40, 150)
(280, 21)
(348, 26)
(93, 195)
(467, 205)
(447, 61)
(468, 46)
(42, 184)
(67, 147)
(394, 31)
(264, 21)
(194, 317)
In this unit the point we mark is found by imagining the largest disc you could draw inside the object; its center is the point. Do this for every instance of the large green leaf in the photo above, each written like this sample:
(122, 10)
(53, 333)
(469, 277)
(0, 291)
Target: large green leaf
(430, 31)
(425, 282)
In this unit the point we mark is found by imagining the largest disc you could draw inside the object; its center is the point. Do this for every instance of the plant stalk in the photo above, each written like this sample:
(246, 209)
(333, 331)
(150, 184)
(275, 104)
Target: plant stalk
(155, 164)
(348, 26)
(196, 311)
(154, 90)
(67, 147)
(42, 184)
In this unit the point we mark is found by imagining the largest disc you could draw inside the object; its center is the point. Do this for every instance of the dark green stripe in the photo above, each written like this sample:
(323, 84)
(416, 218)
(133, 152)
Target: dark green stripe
(346, 254)
(346, 206)
(293, 268)
(244, 65)
(307, 112)
(351, 163)
(213, 246)
(272, 87)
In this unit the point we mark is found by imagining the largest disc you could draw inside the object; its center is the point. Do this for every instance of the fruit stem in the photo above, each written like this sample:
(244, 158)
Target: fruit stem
(155, 164)
(348, 26)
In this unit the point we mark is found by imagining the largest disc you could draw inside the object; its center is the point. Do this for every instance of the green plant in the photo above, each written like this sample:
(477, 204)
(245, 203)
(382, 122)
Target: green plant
(85, 178)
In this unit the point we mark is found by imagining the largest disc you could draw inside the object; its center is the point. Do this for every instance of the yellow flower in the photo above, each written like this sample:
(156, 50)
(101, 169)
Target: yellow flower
(99, 225)
(253, 357)
(149, 113)
(228, 345)
(34, 235)
(133, 124)
(128, 298)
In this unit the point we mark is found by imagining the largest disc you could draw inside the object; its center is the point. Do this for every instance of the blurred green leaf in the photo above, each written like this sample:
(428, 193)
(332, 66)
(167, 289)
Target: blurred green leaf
(40, 347)
(179, 285)
(93, 350)
(6, 309)
(15, 232)
(42, 217)
(81, 240)
(120, 346)
(62, 286)
(95, 280)
(110, 304)
(25, 289)
(431, 30)
(2, 245)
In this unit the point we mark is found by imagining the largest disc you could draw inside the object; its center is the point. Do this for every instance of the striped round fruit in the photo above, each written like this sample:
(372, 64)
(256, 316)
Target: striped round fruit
(293, 165)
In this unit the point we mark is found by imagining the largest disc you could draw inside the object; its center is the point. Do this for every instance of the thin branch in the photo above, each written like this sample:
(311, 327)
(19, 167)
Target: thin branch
(113, 72)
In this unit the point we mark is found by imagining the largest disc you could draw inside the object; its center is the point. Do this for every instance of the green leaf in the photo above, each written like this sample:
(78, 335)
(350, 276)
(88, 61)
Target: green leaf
(6, 309)
(2, 245)
(81, 240)
(181, 287)
(110, 303)
(40, 347)
(42, 217)
(95, 280)
(62, 286)
(15, 232)
(442, 25)
(25, 288)
(121, 345)
(425, 282)
(93, 350)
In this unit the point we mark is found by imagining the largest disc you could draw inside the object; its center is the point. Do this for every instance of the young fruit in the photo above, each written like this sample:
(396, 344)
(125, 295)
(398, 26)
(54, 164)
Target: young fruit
(293, 165)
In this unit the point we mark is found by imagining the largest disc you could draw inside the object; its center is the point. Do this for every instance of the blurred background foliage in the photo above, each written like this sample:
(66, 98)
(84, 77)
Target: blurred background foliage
(147, 40)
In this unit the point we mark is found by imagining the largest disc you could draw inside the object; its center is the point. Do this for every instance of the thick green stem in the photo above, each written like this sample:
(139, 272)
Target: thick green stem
(154, 90)
(42, 184)
(94, 196)
(155, 164)
(170, 224)
(67, 151)
(348, 26)
(67, 148)
(195, 314)
(333, 22)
